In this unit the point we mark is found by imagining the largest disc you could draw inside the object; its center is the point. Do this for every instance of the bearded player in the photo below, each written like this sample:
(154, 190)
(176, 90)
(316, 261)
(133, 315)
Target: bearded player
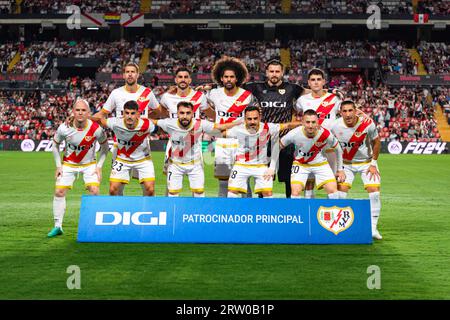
(229, 101)
(358, 137)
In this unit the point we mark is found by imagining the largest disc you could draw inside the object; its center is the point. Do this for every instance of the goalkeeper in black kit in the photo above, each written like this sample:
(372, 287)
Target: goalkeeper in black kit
(277, 99)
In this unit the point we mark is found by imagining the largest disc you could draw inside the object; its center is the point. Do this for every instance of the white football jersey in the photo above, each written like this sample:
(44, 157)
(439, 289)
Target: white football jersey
(143, 96)
(253, 147)
(356, 142)
(326, 106)
(197, 98)
(186, 144)
(230, 108)
(131, 143)
(80, 144)
(309, 150)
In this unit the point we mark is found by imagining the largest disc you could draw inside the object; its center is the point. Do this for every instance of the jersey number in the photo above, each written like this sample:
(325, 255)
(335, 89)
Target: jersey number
(117, 166)
(295, 169)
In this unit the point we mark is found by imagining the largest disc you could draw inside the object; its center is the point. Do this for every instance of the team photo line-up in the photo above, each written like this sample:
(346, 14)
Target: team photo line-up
(258, 133)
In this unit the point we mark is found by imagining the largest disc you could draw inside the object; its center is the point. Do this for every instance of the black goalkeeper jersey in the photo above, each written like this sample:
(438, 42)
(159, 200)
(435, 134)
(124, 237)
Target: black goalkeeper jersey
(277, 103)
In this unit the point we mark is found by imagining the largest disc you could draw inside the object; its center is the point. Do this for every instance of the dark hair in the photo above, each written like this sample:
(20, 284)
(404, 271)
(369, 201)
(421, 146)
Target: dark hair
(317, 72)
(229, 63)
(186, 104)
(252, 108)
(310, 112)
(131, 105)
(182, 69)
(274, 62)
(345, 102)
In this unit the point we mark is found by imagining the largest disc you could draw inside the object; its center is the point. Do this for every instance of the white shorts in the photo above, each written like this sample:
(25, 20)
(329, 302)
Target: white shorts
(241, 173)
(120, 171)
(321, 172)
(331, 158)
(70, 172)
(354, 168)
(225, 153)
(176, 172)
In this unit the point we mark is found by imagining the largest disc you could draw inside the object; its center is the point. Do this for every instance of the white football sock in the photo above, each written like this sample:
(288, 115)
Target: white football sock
(342, 194)
(199, 195)
(267, 197)
(59, 208)
(232, 195)
(223, 188)
(375, 207)
(296, 197)
(334, 195)
(172, 195)
(309, 194)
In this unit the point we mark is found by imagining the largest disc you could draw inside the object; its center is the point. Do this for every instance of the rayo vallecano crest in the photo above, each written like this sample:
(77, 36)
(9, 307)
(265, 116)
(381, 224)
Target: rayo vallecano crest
(281, 91)
(335, 219)
(88, 138)
(142, 99)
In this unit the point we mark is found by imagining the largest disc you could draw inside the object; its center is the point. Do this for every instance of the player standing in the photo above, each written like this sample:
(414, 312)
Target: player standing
(252, 160)
(276, 99)
(327, 107)
(310, 140)
(133, 151)
(185, 153)
(79, 157)
(229, 102)
(130, 91)
(358, 137)
(184, 92)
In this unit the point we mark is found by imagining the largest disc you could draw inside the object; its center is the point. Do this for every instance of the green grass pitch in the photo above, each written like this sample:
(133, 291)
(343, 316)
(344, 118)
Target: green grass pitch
(413, 257)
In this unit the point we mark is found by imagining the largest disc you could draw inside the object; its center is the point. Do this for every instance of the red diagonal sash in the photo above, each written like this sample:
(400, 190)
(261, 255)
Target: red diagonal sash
(261, 141)
(325, 108)
(195, 99)
(142, 101)
(138, 138)
(190, 139)
(316, 147)
(237, 107)
(356, 139)
(87, 142)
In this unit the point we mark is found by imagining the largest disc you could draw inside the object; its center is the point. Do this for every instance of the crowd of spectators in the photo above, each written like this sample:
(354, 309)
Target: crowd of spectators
(229, 7)
(200, 55)
(216, 7)
(441, 97)
(393, 55)
(404, 114)
(435, 57)
(91, 6)
(113, 54)
(350, 6)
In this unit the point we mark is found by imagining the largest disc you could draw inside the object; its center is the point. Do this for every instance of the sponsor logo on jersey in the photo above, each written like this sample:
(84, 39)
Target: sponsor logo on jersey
(273, 104)
(319, 144)
(335, 219)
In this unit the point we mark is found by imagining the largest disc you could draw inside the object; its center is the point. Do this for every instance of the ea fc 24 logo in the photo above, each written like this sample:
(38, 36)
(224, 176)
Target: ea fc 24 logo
(335, 219)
